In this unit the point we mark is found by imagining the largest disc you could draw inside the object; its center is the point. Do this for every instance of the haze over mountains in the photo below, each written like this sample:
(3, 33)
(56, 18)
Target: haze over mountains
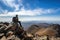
(27, 24)
(45, 29)
(42, 27)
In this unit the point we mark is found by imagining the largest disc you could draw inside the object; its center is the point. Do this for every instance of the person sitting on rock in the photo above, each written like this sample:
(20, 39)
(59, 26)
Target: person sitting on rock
(17, 27)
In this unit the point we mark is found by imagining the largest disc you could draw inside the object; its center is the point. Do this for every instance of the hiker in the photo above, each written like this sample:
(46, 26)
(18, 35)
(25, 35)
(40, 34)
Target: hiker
(17, 27)
(16, 24)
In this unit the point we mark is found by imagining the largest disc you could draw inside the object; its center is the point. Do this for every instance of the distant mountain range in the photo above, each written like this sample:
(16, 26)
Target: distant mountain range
(27, 24)
(44, 28)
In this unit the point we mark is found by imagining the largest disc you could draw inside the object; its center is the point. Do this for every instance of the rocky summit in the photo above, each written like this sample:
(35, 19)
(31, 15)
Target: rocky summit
(13, 31)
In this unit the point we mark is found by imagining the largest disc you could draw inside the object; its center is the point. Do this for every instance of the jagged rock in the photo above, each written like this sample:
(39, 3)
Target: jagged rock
(2, 28)
(9, 33)
(13, 31)
(1, 34)
(3, 38)
(16, 38)
(11, 37)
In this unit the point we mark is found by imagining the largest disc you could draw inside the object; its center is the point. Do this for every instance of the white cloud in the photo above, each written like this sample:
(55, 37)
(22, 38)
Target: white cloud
(40, 19)
(11, 3)
(37, 11)
(26, 19)
(22, 11)
(4, 19)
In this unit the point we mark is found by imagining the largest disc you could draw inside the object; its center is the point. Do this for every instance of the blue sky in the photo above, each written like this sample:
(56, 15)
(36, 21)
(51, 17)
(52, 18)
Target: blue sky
(30, 10)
